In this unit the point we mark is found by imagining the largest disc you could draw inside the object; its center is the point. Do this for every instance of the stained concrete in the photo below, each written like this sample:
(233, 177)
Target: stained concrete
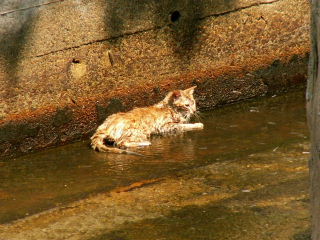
(72, 58)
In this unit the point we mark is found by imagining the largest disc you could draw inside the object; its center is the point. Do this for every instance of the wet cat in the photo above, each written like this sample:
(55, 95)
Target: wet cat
(133, 129)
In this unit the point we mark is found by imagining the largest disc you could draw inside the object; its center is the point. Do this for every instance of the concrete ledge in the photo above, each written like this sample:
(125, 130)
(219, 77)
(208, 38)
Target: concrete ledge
(65, 65)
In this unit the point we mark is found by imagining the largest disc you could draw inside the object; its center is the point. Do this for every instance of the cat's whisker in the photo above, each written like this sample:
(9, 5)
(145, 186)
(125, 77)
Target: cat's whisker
(198, 116)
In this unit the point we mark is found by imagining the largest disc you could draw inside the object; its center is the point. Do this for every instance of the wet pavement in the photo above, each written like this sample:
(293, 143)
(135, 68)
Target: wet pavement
(244, 177)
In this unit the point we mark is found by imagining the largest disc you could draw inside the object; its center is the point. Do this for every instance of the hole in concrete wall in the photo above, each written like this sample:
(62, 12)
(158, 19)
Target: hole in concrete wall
(175, 16)
(75, 60)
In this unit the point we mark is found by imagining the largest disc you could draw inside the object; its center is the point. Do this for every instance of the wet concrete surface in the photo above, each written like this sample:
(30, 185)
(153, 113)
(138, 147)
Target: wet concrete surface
(244, 177)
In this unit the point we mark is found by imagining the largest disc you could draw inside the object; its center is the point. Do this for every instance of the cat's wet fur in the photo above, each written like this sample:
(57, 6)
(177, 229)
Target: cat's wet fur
(134, 128)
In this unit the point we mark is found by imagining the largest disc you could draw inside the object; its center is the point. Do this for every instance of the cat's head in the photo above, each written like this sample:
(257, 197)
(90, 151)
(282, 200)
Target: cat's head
(183, 102)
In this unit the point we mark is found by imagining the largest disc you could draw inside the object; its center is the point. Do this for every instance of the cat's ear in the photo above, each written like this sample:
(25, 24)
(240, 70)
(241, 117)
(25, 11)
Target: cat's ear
(190, 91)
(176, 94)
(170, 97)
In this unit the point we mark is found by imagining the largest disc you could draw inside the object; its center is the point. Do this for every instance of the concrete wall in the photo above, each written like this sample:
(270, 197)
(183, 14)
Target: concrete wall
(66, 65)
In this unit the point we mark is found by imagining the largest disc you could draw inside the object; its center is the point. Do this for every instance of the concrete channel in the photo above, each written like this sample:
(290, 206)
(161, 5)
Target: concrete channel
(65, 64)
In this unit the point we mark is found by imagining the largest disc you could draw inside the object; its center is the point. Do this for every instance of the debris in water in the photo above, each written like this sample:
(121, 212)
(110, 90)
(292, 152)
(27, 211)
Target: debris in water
(246, 190)
(137, 185)
(275, 149)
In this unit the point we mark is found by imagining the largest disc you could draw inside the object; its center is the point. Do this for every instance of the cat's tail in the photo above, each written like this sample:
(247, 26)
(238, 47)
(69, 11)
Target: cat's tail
(97, 143)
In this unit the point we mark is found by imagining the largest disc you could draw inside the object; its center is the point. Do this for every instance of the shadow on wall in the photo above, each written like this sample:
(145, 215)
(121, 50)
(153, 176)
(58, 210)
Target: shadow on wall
(184, 27)
(14, 32)
(182, 19)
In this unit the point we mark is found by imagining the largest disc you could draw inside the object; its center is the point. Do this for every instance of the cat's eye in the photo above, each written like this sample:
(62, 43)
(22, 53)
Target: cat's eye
(187, 105)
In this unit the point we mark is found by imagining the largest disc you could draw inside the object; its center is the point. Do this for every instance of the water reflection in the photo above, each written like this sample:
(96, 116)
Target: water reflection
(50, 178)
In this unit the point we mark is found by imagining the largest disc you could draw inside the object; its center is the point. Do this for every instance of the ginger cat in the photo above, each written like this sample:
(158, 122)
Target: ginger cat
(134, 128)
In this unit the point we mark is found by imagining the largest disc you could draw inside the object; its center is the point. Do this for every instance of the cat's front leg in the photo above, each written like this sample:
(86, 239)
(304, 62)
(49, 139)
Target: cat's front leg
(191, 126)
(181, 127)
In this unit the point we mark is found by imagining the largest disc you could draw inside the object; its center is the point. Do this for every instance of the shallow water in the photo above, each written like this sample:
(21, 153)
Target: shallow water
(50, 178)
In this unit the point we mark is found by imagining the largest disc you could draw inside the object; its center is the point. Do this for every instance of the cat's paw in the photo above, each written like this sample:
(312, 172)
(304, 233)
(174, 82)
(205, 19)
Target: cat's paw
(198, 125)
